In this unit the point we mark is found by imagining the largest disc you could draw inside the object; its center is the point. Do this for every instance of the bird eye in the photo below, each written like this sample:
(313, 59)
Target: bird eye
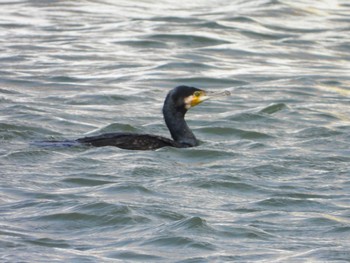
(197, 93)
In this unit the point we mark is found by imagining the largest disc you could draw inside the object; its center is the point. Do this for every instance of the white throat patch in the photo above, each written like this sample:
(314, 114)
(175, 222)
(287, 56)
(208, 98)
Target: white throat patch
(188, 101)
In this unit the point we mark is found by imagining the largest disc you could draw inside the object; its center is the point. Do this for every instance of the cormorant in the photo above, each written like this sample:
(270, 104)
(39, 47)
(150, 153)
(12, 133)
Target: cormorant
(176, 104)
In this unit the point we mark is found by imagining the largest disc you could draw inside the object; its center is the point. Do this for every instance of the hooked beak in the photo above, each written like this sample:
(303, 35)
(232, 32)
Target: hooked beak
(200, 96)
(218, 94)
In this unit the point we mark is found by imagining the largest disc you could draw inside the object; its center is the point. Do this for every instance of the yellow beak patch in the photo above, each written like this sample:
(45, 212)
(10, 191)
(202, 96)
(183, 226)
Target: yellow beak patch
(196, 98)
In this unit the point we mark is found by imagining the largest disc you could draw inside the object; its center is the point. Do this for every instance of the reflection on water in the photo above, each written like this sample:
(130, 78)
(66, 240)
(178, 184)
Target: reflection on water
(270, 178)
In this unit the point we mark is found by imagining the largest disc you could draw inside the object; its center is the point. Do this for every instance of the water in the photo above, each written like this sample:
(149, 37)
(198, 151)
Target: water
(270, 180)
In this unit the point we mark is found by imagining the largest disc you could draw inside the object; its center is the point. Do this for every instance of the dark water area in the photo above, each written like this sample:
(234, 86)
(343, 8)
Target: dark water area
(270, 181)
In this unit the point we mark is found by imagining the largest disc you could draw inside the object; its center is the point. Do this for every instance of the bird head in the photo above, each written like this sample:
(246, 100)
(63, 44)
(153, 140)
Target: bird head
(187, 97)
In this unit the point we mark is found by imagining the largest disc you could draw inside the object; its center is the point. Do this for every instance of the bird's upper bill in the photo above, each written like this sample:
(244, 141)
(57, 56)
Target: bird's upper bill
(200, 96)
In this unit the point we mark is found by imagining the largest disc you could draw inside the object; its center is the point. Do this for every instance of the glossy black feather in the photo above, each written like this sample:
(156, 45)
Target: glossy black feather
(130, 141)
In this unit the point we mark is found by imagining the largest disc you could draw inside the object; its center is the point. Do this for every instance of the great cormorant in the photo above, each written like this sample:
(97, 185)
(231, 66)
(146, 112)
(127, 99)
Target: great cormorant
(176, 104)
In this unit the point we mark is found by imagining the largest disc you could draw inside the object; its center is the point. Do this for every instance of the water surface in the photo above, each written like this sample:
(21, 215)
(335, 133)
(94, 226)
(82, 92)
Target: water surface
(270, 180)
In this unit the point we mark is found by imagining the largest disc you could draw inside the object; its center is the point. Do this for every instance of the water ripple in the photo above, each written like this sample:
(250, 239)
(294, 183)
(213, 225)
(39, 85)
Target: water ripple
(269, 180)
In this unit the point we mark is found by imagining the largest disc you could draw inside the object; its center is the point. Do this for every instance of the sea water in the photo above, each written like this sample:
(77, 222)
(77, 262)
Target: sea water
(270, 181)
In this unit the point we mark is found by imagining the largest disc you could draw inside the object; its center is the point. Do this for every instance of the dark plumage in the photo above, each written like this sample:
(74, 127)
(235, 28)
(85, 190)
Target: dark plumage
(176, 104)
(131, 141)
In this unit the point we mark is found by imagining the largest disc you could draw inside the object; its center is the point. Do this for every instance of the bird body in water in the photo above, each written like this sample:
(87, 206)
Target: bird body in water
(178, 101)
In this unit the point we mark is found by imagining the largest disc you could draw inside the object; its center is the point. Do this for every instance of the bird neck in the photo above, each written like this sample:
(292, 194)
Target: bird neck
(179, 130)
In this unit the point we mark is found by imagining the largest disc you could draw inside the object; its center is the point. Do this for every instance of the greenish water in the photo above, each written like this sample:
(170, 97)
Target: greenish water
(270, 180)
